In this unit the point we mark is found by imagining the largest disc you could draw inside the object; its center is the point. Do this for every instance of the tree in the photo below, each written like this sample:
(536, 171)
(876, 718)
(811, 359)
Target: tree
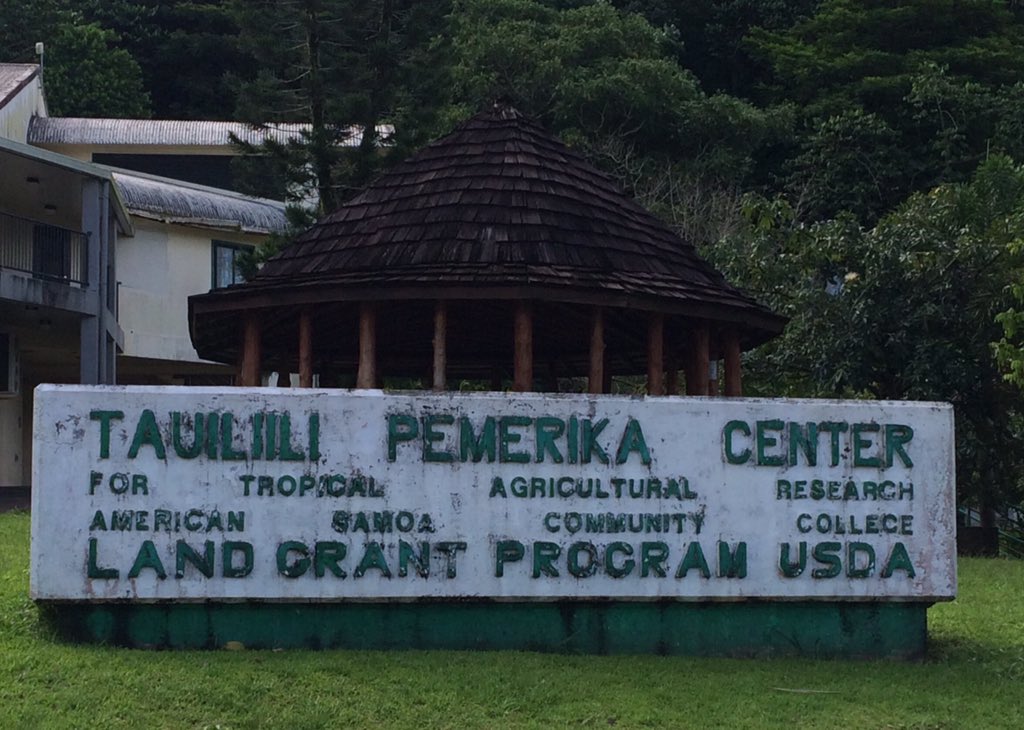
(1010, 347)
(593, 73)
(866, 52)
(86, 74)
(849, 162)
(711, 35)
(905, 310)
(341, 66)
(23, 23)
(934, 78)
(187, 51)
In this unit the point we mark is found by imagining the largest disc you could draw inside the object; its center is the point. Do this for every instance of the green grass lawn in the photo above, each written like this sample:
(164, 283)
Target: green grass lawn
(974, 678)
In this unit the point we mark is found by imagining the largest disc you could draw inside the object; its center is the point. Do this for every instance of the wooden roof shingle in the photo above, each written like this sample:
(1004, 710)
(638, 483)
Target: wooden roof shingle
(498, 204)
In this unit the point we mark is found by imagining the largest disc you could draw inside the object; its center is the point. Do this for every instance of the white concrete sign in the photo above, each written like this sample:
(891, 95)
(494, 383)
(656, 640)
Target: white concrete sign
(299, 495)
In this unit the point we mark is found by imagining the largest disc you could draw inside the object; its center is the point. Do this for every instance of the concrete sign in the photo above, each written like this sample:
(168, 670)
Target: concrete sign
(299, 495)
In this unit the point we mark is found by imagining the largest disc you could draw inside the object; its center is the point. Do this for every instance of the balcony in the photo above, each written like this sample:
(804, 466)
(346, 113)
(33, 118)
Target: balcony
(44, 251)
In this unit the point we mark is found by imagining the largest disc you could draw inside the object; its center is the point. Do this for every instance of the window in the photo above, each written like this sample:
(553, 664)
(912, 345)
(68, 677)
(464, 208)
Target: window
(51, 252)
(225, 263)
(8, 364)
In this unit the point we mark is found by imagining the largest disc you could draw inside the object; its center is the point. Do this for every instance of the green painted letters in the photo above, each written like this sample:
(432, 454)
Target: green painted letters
(147, 558)
(105, 417)
(476, 447)
(732, 563)
(587, 569)
(787, 567)
(506, 438)
(633, 441)
(326, 556)
(731, 428)
(373, 557)
(826, 554)
(96, 572)
(896, 437)
(898, 560)
(401, 428)
(694, 559)
(228, 550)
(184, 554)
(549, 429)
(299, 566)
(544, 556)
(147, 433)
(507, 551)
(432, 436)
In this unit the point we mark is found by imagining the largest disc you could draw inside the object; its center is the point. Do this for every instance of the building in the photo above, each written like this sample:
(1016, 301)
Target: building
(106, 228)
(61, 222)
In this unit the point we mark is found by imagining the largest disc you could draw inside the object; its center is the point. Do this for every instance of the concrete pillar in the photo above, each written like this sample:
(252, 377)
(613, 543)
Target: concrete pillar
(91, 370)
(99, 331)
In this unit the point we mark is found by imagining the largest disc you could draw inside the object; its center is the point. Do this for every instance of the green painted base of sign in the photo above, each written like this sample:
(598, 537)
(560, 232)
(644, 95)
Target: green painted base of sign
(897, 630)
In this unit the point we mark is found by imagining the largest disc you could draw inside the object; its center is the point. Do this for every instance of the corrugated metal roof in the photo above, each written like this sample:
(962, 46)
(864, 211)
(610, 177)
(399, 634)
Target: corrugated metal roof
(173, 201)
(180, 133)
(13, 77)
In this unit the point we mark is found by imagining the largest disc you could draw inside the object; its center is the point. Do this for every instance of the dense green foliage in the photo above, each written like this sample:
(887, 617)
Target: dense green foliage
(609, 83)
(342, 67)
(915, 92)
(592, 74)
(712, 35)
(187, 52)
(87, 77)
(23, 23)
(971, 679)
(87, 74)
(904, 310)
(851, 162)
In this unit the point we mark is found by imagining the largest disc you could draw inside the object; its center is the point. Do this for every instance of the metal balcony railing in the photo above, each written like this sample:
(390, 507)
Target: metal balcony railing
(45, 251)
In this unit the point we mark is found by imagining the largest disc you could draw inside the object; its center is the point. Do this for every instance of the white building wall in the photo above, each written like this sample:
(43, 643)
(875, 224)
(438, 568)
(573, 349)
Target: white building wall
(158, 269)
(17, 113)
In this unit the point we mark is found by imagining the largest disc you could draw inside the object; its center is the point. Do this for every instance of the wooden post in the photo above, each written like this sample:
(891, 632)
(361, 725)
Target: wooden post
(250, 365)
(440, 345)
(713, 372)
(733, 382)
(305, 349)
(656, 354)
(697, 372)
(366, 375)
(595, 380)
(522, 381)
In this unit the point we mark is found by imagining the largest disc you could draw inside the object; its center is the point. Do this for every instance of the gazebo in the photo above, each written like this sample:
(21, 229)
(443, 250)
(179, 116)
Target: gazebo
(495, 254)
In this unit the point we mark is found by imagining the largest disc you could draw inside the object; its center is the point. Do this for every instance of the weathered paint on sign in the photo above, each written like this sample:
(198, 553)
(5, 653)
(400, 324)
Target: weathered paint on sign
(268, 494)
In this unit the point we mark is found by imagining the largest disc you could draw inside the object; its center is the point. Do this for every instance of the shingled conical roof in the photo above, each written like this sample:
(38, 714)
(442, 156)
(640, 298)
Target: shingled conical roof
(501, 201)
(498, 209)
